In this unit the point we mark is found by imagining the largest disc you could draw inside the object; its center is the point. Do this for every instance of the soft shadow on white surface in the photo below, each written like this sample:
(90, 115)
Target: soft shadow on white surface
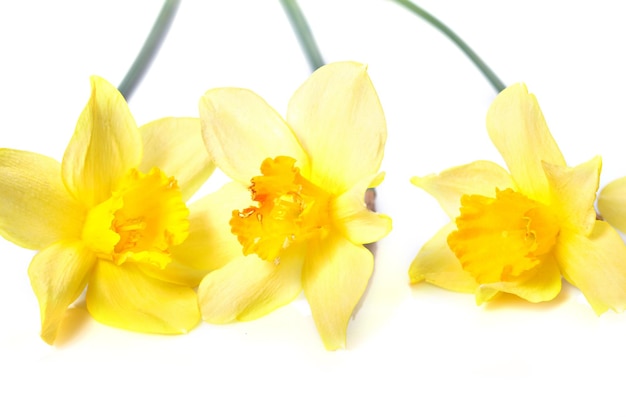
(411, 350)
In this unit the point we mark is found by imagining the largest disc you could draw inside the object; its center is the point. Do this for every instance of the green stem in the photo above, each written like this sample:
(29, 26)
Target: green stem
(149, 48)
(487, 72)
(303, 32)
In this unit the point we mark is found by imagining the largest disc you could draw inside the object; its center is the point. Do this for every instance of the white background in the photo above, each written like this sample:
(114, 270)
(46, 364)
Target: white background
(411, 350)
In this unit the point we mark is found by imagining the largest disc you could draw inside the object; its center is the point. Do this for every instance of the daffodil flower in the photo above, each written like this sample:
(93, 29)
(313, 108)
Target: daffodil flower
(112, 218)
(297, 198)
(520, 231)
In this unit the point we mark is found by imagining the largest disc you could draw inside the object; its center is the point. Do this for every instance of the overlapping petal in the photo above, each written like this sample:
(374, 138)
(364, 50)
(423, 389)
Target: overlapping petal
(519, 131)
(210, 244)
(334, 277)
(124, 297)
(175, 146)
(436, 263)
(336, 114)
(241, 130)
(612, 203)
(58, 275)
(479, 177)
(542, 283)
(105, 145)
(249, 287)
(36, 209)
(573, 192)
(352, 218)
(595, 264)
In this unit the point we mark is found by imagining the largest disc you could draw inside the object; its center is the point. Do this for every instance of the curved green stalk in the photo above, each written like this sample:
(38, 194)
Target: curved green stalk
(149, 48)
(303, 32)
(487, 72)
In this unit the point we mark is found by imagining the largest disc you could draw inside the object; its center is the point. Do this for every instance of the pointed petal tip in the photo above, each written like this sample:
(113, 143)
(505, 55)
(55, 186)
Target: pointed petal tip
(49, 334)
(99, 83)
(419, 181)
(600, 309)
(415, 278)
(353, 66)
(332, 344)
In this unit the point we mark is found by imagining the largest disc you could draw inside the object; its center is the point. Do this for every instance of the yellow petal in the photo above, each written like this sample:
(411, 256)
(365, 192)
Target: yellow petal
(174, 273)
(436, 264)
(518, 129)
(123, 297)
(105, 145)
(480, 177)
(334, 278)
(241, 130)
(35, 209)
(574, 192)
(612, 203)
(249, 287)
(542, 283)
(58, 275)
(210, 244)
(352, 218)
(338, 118)
(175, 146)
(596, 265)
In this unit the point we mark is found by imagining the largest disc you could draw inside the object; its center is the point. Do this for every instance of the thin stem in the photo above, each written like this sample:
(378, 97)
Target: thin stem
(149, 48)
(487, 72)
(303, 32)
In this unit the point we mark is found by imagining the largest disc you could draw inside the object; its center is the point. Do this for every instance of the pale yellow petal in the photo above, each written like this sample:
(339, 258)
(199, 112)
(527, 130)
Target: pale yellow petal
(338, 118)
(334, 278)
(574, 192)
(518, 129)
(35, 209)
(210, 244)
(124, 297)
(479, 177)
(542, 283)
(596, 265)
(352, 218)
(58, 275)
(612, 203)
(174, 273)
(249, 287)
(105, 145)
(175, 146)
(241, 130)
(436, 264)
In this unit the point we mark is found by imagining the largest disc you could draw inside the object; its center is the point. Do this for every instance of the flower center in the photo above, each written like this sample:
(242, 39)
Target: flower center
(290, 209)
(143, 218)
(499, 238)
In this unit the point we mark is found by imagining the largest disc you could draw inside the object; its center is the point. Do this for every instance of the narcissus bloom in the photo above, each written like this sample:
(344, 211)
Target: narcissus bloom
(112, 217)
(520, 232)
(297, 205)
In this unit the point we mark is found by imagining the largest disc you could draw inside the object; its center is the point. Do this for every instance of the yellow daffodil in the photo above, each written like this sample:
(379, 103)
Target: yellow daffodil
(297, 205)
(612, 203)
(112, 218)
(520, 232)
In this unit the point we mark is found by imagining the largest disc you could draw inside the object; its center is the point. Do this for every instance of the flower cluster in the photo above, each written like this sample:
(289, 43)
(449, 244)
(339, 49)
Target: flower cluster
(111, 220)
